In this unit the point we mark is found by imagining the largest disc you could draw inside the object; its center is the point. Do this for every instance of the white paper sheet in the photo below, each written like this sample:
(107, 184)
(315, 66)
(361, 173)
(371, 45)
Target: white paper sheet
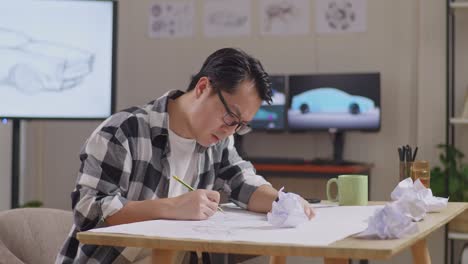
(339, 16)
(169, 19)
(329, 225)
(284, 17)
(227, 18)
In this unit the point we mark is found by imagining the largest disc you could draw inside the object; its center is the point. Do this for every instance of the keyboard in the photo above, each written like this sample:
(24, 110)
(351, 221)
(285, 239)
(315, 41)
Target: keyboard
(298, 161)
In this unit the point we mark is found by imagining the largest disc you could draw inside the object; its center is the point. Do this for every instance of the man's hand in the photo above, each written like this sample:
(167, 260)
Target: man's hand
(197, 205)
(307, 209)
(262, 199)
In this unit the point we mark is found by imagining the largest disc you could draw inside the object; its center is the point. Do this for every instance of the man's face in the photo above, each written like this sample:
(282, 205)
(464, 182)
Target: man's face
(210, 117)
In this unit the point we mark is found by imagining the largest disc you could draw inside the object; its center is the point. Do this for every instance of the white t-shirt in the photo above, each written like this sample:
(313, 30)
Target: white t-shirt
(183, 162)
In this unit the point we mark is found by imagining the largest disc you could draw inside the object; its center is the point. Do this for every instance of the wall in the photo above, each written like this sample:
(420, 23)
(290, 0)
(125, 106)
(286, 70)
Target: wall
(404, 41)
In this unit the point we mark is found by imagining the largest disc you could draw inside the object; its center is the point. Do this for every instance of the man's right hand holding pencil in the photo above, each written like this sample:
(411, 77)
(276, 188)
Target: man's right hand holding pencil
(196, 205)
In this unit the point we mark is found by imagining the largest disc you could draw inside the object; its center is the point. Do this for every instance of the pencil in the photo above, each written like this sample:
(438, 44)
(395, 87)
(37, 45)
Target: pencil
(189, 187)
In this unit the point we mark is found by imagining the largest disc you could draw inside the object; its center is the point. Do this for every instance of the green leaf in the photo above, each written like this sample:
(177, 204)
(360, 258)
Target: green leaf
(452, 166)
(438, 185)
(33, 203)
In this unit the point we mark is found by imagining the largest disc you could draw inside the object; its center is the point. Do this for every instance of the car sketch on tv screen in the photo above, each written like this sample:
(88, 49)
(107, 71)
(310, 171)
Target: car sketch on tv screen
(54, 64)
(32, 65)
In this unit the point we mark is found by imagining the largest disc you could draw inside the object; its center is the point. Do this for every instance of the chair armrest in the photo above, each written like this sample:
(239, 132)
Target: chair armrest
(7, 256)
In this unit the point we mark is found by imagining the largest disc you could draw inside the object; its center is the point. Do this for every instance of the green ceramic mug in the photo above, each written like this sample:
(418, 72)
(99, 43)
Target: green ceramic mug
(352, 190)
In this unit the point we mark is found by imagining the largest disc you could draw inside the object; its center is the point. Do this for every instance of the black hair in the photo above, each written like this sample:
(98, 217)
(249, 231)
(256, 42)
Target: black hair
(226, 68)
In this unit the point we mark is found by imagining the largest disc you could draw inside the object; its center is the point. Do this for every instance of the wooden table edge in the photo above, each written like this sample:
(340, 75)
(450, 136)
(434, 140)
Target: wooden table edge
(241, 247)
(421, 236)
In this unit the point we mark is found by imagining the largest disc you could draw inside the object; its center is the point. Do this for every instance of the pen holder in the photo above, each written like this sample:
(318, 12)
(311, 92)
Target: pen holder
(421, 170)
(405, 170)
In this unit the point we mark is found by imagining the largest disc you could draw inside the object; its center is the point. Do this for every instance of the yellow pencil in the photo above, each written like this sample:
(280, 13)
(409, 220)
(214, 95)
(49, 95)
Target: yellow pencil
(189, 187)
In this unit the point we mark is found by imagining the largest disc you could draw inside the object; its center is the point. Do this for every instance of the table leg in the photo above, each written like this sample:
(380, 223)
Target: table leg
(452, 254)
(421, 253)
(335, 261)
(163, 256)
(278, 260)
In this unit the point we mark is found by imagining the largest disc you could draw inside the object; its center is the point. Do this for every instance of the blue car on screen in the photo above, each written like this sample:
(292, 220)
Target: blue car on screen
(331, 100)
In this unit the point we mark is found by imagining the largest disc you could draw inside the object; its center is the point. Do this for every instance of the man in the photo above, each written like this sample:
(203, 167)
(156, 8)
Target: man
(128, 162)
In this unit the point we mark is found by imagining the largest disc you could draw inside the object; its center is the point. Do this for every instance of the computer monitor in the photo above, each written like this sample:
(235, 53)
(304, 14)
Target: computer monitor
(57, 59)
(272, 117)
(337, 102)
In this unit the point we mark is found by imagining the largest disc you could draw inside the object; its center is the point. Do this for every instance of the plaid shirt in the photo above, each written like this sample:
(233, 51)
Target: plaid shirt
(125, 159)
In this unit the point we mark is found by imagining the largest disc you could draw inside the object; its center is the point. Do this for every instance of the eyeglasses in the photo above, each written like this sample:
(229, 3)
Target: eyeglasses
(231, 119)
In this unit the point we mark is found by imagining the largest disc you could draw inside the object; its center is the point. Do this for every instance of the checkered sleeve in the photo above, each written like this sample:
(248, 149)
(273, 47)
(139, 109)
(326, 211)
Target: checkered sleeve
(239, 174)
(104, 174)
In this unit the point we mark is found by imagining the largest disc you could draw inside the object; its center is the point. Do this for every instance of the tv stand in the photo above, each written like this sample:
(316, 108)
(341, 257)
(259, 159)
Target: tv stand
(307, 178)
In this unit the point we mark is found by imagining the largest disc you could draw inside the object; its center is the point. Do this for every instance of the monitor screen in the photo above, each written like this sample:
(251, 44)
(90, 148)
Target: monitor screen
(272, 117)
(57, 59)
(334, 101)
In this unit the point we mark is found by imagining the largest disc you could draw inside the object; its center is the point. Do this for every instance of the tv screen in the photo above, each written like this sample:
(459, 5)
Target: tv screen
(334, 101)
(57, 59)
(272, 117)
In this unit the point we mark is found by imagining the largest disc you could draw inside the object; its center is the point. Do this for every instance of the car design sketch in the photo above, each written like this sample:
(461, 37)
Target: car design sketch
(227, 19)
(33, 66)
(285, 17)
(331, 100)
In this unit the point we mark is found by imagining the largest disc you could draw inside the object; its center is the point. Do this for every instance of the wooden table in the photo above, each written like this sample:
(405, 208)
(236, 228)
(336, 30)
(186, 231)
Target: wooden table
(165, 249)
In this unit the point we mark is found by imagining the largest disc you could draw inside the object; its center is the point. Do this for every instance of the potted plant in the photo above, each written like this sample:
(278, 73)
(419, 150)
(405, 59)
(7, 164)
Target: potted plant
(32, 203)
(452, 167)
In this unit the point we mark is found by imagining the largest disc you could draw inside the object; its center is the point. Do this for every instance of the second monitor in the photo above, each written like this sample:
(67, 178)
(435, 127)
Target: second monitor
(272, 117)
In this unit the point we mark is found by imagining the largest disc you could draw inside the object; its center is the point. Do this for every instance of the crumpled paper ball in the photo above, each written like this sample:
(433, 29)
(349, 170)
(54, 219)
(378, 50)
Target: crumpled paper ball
(411, 202)
(389, 223)
(408, 190)
(288, 211)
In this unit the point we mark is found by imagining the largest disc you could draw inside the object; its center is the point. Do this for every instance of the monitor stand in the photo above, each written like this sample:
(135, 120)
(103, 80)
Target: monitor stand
(239, 145)
(338, 145)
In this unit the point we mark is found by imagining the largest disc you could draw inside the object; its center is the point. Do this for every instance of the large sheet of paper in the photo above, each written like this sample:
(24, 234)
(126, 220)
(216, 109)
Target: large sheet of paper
(169, 19)
(226, 18)
(340, 16)
(280, 17)
(329, 225)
